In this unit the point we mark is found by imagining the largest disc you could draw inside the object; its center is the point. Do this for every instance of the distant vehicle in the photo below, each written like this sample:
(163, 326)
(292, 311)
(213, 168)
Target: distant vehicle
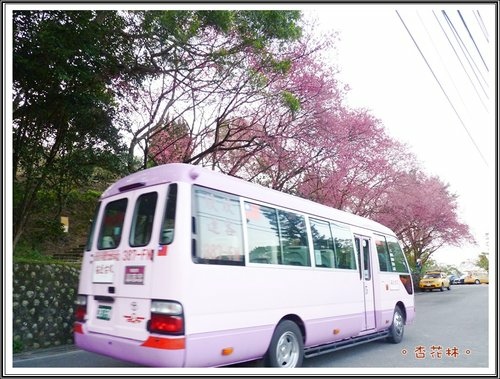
(459, 280)
(476, 279)
(484, 279)
(451, 278)
(434, 280)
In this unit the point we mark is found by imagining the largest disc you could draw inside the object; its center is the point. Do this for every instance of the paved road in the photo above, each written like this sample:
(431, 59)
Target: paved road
(450, 332)
(455, 320)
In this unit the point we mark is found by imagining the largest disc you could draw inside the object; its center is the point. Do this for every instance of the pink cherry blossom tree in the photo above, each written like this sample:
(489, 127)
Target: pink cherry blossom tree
(171, 143)
(290, 130)
(288, 125)
(359, 164)
(424, 214)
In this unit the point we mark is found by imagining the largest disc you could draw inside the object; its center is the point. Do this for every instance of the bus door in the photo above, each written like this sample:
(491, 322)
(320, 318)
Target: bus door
(365, 275)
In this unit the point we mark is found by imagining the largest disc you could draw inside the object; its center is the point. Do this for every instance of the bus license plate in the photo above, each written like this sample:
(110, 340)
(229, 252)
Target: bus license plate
(104, 312)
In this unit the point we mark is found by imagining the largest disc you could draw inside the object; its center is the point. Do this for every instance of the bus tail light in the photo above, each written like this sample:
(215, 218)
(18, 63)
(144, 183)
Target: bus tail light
(166, 317)
(81, 308)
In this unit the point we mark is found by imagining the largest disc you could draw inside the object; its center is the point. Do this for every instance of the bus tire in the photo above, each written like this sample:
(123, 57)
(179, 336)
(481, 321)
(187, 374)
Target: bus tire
(397, 328)
(287, 346)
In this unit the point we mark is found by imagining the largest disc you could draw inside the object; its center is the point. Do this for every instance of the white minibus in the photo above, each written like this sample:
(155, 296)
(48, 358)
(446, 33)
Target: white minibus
(187, 267)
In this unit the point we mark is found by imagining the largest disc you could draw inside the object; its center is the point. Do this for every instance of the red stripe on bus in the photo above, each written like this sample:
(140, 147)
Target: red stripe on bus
(165, 343)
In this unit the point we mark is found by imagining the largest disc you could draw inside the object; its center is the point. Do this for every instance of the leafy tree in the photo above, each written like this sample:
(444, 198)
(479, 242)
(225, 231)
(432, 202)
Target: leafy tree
(483, 262)
(63, 65)
(430, 265)
(199, 67)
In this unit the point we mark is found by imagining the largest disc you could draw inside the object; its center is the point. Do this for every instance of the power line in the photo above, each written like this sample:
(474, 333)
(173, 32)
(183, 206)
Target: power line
(474, 42)
(442, 89)
(481, 25)
(461, 63)
(441, 59)
(462, 46)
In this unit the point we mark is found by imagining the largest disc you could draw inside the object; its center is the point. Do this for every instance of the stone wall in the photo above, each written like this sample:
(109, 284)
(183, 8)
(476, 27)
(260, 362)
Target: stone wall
(43, 304)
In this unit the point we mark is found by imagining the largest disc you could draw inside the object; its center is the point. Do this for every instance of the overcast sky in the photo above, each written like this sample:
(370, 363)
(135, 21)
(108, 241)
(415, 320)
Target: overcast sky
(431, 84)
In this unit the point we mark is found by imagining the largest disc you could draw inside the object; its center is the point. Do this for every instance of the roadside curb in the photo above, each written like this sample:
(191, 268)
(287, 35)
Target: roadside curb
(43, 352)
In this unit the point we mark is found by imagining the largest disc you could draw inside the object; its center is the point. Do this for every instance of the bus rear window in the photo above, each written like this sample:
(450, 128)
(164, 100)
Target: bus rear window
(112, 224)
(142, 223)
(168, 223)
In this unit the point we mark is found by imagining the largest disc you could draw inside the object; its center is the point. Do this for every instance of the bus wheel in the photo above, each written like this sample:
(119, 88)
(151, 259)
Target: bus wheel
(287, 347)
(396, 330)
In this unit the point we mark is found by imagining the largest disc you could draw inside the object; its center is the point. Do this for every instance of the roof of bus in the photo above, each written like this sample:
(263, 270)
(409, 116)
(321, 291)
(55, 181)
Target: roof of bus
(181, 172)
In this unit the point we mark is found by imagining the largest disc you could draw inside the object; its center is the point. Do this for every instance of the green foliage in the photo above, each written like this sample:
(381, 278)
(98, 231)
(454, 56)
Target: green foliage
(291, 101)
(179, 26)
(282, 66)
(258, 79)
(255, 27)
(171, 36)
(222, 20)
(450, 269)
(25, 250)
(63, 65)
(44, 234)
(44, 225)
(430, 265)
(269, 24)
(483, 262)
(17, 346)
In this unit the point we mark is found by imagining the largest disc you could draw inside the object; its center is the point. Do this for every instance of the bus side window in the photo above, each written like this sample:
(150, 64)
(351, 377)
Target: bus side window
(344, 248)
(323, 244)
(397, 255)
(218, 235)
(384, 259)
(263, 234)
(294, 241)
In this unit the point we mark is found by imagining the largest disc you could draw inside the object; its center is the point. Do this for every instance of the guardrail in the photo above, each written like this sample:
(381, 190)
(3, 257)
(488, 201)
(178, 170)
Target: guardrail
(73, 255)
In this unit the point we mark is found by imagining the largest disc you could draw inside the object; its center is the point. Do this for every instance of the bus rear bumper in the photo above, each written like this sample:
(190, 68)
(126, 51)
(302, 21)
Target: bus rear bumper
(164, 352)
